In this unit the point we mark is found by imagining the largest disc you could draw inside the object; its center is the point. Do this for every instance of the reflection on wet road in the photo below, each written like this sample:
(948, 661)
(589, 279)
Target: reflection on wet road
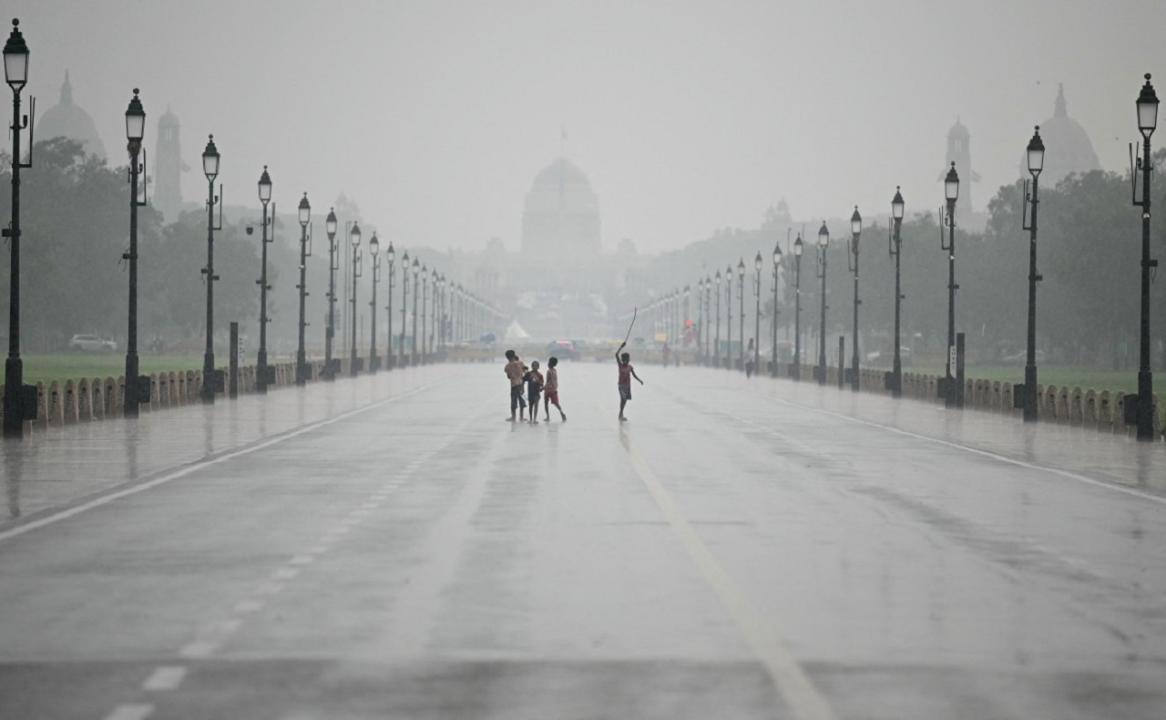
(390, 547)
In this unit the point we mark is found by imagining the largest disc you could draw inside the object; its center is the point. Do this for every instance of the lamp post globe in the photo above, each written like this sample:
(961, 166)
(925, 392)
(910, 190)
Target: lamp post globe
(210, 160)
(264, 187)
(1147, 108)
(16, 59)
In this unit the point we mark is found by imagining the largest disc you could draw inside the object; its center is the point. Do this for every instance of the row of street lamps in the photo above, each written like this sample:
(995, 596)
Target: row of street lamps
(1147, 113)
(473, 315)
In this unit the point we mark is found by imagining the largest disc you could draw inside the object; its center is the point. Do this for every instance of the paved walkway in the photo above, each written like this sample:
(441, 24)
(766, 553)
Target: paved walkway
(389, 547)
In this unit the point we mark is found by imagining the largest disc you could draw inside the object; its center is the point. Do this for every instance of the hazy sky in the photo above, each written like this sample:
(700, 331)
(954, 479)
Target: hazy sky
(686, 116)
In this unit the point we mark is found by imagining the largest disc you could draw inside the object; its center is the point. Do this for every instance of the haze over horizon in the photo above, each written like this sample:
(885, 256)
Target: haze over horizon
(686, 117)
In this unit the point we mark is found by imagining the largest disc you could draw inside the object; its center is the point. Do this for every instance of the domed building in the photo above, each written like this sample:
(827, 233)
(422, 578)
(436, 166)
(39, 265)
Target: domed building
(1068, 147)
(67, 119)
(560, 221)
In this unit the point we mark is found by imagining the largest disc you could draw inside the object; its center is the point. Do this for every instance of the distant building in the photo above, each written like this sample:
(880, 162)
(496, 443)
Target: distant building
(959, 151)
(560, 221)
(1068, 148)
(167, 167)
(67, 119)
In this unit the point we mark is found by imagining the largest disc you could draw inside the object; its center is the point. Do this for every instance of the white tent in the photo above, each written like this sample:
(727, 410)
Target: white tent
(514, 331)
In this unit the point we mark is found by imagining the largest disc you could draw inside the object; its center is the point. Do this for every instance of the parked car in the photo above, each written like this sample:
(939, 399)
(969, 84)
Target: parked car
(563, 349)
(91, 343)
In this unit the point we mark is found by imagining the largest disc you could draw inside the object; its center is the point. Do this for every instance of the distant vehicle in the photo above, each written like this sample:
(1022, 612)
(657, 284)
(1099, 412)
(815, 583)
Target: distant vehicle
(1021, 358)
(91, 343)
(563, 349)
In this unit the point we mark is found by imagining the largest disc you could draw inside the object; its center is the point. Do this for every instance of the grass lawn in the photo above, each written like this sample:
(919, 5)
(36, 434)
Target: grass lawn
(1085, 378)
(77, 365)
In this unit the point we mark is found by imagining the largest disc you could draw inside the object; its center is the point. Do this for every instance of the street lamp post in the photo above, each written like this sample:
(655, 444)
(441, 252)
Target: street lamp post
(305, 217)
(777, 256)
(390, 357)
(264, 198)
(413, 348)
(855, 234)
(717, 337)
(424, 314)
(354, 240)
(896, 249)
(700, 320)
(1035, 153)
(1147, 121)
(404, 303)
(823, 245)
(16, 75)
(799, 247)
(741, 309)
(135, 129)
(708, 306)
(729, 316)
(951, 191)
(434, 315)
(374, 249)
(210, 168)
(330, 229)
(757, 313)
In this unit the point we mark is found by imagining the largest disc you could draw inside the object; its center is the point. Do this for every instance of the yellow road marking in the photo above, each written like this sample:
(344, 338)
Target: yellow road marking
(790, 680)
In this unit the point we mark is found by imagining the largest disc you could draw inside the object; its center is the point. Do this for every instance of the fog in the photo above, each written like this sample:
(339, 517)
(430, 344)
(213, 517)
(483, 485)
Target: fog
(434, 117)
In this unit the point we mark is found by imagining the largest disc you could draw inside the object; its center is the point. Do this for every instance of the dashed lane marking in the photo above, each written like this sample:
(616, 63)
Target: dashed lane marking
(165, 677)
(134, 711)
(790, 680)
(198, 649)
(195, 467)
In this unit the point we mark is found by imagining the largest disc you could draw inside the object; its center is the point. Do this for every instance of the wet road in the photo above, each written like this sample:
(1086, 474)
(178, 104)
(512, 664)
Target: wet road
(389, 547)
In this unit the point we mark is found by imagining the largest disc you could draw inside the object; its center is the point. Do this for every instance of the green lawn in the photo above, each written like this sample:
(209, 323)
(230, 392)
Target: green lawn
(1085, 378)
(77, 365)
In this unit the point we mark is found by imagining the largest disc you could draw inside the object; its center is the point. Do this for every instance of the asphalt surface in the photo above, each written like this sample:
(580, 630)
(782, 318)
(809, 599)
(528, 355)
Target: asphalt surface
(390, 547)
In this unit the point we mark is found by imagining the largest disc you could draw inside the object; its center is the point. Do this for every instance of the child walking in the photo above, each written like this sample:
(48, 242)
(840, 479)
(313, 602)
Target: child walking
(626, 373)
(534, 386)
(551, 390)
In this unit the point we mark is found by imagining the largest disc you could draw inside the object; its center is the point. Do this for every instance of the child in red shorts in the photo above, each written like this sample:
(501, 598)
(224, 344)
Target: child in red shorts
(551, 389)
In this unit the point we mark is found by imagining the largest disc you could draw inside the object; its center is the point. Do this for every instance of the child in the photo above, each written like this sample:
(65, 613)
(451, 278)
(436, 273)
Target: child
(534, 386)
(626, 373)
(514, 372)
(551, 390)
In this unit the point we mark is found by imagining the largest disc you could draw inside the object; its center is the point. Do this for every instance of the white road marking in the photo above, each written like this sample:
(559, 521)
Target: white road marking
(198, 649)
(986, 453)
(193, 468)
(165, 677)
(248, 606)
(285, 573)
(135, 711)
(790, 680)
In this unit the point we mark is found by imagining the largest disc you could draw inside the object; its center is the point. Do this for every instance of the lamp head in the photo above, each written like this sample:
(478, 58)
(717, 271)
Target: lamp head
(855, 223)
(1147, 107)
(16, 58)
(305, 210)
(1036, 153)
(897, 205)
(135, 120)
(823, 235)
(210, 159)
(264, 187)
(354, 235)
(799, 246)
(951, 186)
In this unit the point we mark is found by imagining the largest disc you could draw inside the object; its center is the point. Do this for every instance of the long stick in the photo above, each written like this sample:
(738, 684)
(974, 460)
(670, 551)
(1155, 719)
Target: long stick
(635, 311)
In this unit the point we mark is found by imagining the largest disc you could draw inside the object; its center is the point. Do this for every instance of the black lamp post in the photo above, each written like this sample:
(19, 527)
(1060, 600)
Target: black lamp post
(708, 306)
(951, 192)
(896, 249)
(855, 234)
(799, 247)
(390, 357)
(354, 240)
(757, 313)
(425, 315)
(330, 229)
(16, 75)
(700, 320)
(439, 316)
(717, 337)
(1036, 161)
(416, 270)
(777, 256)
(374, 249)
(729, 316)
(404, 302)
(210, 168)
(1147, 121)
(823, 245)
(741, 309)
(264, 198)
(434, 315)
(305, 217)
(135, 129)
